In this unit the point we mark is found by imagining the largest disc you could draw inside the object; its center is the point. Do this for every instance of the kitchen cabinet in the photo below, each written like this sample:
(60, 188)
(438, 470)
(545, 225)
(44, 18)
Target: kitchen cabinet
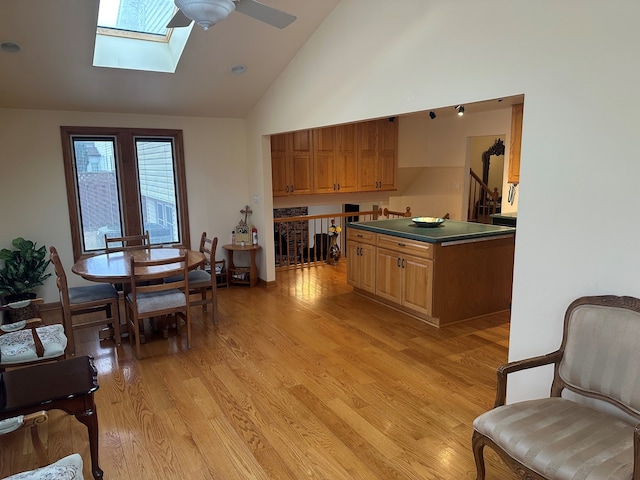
(441, 275)
(515, 143)
(377, 147)
(292, 163)
(334, 159)
(404, 273)
(361, 260)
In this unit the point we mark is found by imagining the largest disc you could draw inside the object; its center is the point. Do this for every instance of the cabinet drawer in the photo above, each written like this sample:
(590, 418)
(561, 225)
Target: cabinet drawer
(399, 244)
(361, 236)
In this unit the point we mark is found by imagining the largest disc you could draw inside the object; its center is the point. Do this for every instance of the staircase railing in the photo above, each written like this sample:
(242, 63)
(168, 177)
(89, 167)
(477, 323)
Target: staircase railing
(303, 241)
(483, 202)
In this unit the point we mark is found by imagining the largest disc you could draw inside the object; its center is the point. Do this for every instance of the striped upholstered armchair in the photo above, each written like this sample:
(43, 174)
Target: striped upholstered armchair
(589, 427)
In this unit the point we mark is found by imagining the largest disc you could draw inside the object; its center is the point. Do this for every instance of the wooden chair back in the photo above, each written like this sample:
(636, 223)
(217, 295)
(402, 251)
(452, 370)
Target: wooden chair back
(202, 283)
(208, 247)
(129, 242)
(93, 298)
(147, 286)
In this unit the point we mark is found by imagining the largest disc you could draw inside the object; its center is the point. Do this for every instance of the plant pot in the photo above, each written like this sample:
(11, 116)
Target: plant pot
(13, 315)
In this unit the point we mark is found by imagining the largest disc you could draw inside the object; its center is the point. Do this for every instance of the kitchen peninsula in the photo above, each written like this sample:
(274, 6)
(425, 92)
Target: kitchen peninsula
(441, 275)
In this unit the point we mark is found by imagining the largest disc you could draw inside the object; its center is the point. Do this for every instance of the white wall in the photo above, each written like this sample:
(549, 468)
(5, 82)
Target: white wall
(577, 64)
(440, 145)
(33, 192)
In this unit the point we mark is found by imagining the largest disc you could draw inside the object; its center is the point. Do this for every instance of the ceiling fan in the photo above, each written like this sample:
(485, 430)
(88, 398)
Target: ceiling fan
(208, 12)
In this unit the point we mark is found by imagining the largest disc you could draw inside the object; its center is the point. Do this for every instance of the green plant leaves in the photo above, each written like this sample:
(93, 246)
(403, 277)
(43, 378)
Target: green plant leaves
(24, 268)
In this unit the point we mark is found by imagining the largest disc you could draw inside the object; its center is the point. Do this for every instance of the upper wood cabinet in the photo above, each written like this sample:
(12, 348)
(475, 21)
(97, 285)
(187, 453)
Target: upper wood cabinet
(292, 163)
(516, 140)
(377, 149)
(334, 159)
(357, 157)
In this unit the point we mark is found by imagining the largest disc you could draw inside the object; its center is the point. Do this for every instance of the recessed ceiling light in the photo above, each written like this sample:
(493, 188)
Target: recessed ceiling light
(9, 47)
(238, 69)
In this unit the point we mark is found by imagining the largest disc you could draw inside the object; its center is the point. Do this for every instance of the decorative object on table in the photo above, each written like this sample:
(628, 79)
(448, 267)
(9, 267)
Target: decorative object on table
(428, 221)
(334, 248)
(243, 231)
(24, 269)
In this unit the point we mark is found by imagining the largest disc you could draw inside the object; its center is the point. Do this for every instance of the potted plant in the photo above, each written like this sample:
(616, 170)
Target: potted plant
(24, 269)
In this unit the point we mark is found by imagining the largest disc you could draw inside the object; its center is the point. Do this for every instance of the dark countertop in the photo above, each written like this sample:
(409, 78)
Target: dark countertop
(448, 231)
(507, 215)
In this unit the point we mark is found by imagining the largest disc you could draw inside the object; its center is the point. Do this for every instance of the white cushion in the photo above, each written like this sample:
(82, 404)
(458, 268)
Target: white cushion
(10, 424)
(18, 347)
(67, 468)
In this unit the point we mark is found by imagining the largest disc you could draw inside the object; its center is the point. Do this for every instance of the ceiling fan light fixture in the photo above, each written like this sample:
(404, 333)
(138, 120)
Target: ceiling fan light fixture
(206, 12)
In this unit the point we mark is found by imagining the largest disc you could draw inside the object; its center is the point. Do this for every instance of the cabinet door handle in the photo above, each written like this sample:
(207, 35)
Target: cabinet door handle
(334, 186)
(398, 261)
(359, 235)
(291, 188)
(286, 189)
(360, 251)
(402, 244)
(403, 263)
(338, 187)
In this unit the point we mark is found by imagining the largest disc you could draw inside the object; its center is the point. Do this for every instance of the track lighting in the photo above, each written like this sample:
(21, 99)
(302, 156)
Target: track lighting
(432, 115)
(460, 109)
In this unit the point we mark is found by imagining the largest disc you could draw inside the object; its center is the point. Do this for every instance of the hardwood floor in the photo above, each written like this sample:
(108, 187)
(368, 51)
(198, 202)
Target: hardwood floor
(302, 380)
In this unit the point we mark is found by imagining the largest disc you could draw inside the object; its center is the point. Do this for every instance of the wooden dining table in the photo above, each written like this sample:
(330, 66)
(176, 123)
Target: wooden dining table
(115, 267)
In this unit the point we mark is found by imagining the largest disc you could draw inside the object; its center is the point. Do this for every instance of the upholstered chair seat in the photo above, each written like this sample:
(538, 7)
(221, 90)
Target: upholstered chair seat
(194, 277)
(17, 348)
(562, 439)
(67, 468)
(154, 301)
(91, 293)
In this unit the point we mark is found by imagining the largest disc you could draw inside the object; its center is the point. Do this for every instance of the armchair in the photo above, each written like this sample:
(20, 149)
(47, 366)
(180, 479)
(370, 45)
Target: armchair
(589, 426)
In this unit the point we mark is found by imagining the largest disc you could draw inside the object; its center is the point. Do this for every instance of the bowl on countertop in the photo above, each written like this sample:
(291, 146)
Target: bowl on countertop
(428, 221)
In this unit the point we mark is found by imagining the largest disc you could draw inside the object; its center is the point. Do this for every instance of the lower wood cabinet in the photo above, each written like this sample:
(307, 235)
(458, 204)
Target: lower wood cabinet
(361, 260)
(405, 279)
(439, 283)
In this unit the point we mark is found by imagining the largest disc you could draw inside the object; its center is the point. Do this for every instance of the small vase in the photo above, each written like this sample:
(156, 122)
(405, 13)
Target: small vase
(334, 250)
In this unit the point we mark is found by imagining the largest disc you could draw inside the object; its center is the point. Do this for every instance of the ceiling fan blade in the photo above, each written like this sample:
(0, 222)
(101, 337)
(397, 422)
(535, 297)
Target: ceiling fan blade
(179, 20)
(264, 13)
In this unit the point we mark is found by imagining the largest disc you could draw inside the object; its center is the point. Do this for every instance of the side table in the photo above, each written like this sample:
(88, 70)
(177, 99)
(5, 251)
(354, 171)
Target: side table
(67, 385)
(242, 275)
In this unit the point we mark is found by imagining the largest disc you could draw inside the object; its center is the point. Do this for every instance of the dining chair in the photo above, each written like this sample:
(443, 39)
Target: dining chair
(129, 242)
(151, 297)
(29, 421)
(101, 297)
(28, 342)
(203, 279)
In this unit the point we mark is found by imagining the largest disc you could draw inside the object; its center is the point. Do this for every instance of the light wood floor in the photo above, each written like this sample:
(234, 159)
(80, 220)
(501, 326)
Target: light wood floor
(305, 380)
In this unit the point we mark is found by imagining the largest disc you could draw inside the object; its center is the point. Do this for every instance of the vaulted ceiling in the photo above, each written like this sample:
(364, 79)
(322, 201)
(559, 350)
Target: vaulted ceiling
(54, 68)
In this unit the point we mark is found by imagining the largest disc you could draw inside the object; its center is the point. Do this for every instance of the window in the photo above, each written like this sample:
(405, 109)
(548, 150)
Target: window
(124, 182)
(132, 34)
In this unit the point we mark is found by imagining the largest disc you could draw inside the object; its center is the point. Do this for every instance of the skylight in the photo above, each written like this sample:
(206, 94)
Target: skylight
(136, 16)
(132, 34)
